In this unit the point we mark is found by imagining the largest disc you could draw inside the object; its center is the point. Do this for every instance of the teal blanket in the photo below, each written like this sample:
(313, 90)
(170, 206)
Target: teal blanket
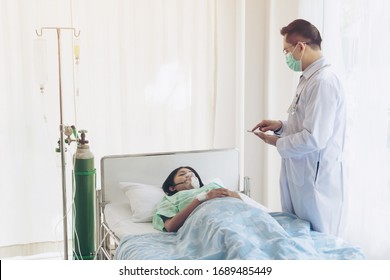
(227, 228)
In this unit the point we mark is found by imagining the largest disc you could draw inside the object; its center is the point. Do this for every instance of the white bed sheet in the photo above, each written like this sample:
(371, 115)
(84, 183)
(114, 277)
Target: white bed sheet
(118, 218)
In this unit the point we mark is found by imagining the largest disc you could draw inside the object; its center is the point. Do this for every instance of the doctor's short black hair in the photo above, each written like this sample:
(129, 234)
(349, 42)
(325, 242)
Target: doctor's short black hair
(304, 29)
(169, 182)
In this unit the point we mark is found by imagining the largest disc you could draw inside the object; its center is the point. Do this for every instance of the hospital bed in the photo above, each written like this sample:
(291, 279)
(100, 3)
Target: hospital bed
(131, 190)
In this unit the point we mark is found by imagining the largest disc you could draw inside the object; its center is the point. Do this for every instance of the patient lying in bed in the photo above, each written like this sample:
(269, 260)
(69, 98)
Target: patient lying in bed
(185, 191)
(210, 222)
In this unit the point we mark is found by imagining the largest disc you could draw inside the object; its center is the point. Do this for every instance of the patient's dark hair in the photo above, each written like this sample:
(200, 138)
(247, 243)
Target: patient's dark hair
(170, 182)
(304, 29)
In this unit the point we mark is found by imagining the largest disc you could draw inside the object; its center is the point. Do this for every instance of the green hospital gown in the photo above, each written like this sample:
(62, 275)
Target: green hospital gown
(171, 205)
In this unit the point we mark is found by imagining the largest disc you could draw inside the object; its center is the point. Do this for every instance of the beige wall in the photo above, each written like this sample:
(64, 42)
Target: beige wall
(267, 89)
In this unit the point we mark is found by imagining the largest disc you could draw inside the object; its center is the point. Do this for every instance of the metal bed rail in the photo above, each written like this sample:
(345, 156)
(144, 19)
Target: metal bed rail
(107, 241)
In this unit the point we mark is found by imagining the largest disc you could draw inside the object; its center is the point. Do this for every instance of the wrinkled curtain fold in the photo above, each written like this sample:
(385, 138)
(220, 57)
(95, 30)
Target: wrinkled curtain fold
(350, 30)
(367, 149)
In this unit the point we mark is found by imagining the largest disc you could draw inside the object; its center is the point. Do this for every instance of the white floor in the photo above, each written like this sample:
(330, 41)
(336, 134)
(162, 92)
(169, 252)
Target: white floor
(45, 256)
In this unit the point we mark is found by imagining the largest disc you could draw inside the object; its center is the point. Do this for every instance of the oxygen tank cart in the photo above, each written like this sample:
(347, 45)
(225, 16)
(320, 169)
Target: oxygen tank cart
(84, 246)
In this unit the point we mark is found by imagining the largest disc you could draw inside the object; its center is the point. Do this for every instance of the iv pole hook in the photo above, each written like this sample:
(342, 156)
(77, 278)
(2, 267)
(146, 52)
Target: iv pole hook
(76, 33)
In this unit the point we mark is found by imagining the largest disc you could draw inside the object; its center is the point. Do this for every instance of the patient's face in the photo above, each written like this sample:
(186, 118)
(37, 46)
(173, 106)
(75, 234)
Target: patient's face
(182, 179)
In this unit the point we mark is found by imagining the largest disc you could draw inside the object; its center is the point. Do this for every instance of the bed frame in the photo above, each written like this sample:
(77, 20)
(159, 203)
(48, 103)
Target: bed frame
(153, 169)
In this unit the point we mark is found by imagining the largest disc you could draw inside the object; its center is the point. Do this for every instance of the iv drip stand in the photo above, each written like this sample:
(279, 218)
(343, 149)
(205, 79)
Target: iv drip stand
(63, 171)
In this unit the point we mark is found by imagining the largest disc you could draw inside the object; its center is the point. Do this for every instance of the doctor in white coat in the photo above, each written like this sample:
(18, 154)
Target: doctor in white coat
(311, 141)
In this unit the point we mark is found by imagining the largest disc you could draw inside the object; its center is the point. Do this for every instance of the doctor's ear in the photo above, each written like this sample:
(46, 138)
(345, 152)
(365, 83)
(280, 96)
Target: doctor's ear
(172, 188)
(302, 45)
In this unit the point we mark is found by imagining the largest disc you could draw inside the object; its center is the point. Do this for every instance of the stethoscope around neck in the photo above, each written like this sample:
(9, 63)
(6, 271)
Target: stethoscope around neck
(294, 105)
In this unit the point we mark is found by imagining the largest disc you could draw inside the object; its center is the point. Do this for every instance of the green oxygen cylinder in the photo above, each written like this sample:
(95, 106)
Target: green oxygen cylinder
(84, 245)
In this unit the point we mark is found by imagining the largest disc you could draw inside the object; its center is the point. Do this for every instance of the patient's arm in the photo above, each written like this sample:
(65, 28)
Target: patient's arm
(174, 223)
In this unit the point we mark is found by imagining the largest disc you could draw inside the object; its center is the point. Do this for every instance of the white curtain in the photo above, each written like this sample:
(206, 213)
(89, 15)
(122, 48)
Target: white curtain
(148, 81)
(156, 63)
(355, 36)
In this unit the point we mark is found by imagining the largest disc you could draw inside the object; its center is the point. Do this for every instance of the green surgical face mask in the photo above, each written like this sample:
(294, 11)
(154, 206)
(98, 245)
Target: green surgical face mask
(295, 65)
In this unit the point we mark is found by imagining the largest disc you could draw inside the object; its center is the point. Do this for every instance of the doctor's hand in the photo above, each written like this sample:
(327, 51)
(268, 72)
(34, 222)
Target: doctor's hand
(269, 139)
(268, 125)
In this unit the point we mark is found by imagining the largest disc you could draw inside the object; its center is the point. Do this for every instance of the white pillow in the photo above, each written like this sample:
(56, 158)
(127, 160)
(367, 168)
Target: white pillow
(143, 200)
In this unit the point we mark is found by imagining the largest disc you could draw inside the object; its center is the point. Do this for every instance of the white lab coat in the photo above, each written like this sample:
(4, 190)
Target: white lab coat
(311, 147)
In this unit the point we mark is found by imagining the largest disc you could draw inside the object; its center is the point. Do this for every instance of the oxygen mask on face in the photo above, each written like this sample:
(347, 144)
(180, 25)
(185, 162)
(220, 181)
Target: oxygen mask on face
(190, 178)
(195, 182)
